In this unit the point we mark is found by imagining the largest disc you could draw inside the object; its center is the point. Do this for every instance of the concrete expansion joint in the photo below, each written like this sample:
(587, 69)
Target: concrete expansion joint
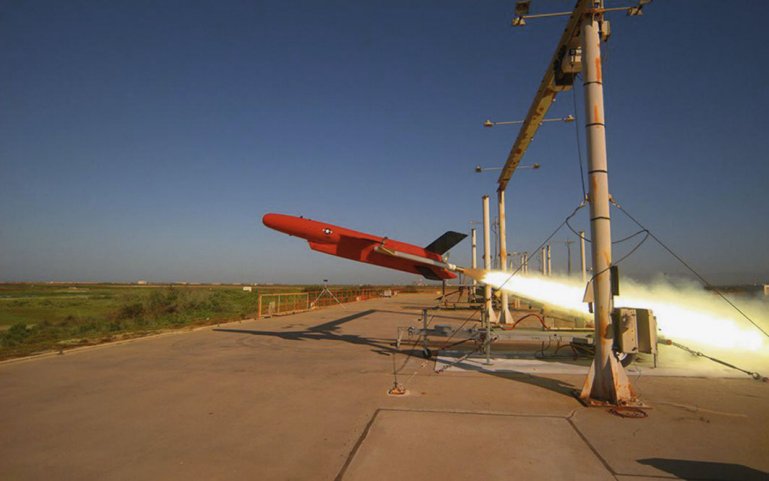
(590, 446)
(475, 413)
(357, 446)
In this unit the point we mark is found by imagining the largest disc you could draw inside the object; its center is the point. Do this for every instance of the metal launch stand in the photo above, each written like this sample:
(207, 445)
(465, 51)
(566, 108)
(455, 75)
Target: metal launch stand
(634, 330)
(326, 291)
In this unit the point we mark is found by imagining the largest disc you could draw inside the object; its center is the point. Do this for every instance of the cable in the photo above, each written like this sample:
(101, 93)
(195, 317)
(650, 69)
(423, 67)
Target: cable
(690, 268)
(460, 359)
(424, 362)
(576, 233)
(400, 388)
(632, 251)
(629, 237)
(615, 263)
(579, 143)
(414, 345)
(613, 242)
(472, 315)
(691, 351)
(566, 222)
(576, 209)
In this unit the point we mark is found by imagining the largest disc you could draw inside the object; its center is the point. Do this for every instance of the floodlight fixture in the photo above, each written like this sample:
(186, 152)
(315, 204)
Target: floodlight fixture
(491, 123)
(522, 7)
(479, 169)
(638, 9)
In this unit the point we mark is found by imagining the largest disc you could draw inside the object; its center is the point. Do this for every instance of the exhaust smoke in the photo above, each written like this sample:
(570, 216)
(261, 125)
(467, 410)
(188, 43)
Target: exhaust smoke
(685, 313)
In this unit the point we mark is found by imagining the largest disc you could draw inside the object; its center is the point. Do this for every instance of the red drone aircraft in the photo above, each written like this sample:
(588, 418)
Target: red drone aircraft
(358, 246)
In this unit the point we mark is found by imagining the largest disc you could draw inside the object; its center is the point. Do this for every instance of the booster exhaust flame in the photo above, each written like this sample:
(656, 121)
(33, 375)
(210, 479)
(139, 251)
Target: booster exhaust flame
(684, 313)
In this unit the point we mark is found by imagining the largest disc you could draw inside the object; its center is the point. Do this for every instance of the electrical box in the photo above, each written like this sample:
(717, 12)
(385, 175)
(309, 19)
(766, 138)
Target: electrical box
(635, 330)
(571, 62)
(625, 325)
(647, 331)
(566, 66)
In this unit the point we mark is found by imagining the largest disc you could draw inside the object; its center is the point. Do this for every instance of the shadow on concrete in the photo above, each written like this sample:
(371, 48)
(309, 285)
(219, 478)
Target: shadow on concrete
(432, 315)
(555, 385)
(328, 331)
(705, 470)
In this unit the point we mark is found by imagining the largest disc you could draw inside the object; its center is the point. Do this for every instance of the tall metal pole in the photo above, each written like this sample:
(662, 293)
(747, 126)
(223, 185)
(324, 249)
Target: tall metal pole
(549, 262)
(606, 381)
(473, 259)
(568, 256)
(490, 315)
(495, 252)
(582, 255)
(504, 314)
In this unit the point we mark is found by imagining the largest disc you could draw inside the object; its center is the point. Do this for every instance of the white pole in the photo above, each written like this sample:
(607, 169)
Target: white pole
(549, 262)
(490, 316)
(606, 381)
(504, 315)
(473, 260)
(582, 255)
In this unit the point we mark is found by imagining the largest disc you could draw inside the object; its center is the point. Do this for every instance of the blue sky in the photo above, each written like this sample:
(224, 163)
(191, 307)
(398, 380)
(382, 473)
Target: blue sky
(145, 140)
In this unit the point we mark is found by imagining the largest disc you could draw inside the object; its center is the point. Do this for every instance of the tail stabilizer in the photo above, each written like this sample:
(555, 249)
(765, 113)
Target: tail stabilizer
(442, 244)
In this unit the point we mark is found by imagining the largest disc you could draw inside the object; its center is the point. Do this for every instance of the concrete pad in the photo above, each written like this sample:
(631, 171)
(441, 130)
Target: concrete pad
(414, 445)
(294, 398)
(691, 432)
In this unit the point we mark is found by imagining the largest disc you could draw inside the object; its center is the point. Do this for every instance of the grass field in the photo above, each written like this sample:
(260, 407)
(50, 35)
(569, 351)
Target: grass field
(39, 317)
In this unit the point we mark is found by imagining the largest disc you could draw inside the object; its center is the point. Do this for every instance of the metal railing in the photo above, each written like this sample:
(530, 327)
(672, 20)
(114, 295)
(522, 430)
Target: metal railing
(292, 302)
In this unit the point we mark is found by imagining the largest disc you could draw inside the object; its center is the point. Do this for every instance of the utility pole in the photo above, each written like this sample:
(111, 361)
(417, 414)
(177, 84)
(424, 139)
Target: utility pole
(549, 262)
(504, 315)
(582, 255)
(490, 315)
(578, 50)
(606, 382)
(568, 243)
(474, 249)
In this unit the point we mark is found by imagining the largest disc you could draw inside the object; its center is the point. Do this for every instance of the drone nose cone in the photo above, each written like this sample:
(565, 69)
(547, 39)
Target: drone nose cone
(307, 229)
(269, 219)
(279, 222)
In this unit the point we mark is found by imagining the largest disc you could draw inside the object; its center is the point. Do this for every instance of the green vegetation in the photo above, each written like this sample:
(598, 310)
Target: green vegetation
(43, 317)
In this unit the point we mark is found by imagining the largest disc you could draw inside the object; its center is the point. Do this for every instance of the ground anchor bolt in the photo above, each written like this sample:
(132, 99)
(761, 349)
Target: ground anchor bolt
(397, 390)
